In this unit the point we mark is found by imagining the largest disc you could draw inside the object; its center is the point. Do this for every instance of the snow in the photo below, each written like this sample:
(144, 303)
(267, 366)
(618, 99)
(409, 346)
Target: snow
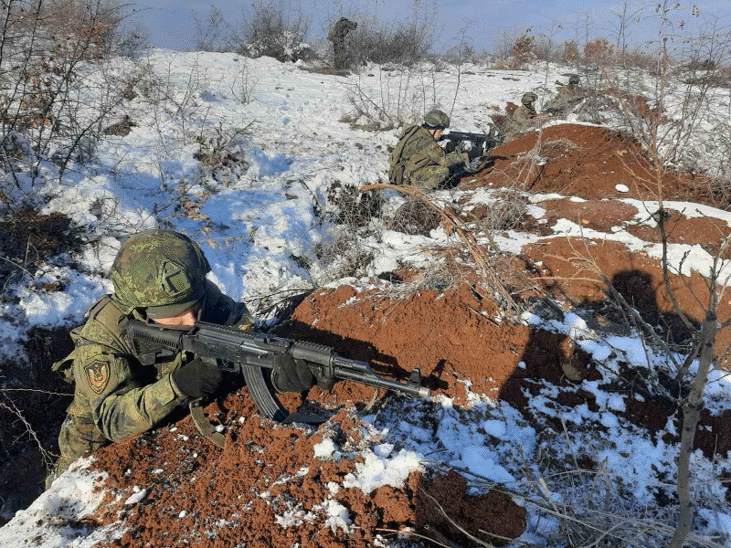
(254, 224)
(382, 467)
(50, 519)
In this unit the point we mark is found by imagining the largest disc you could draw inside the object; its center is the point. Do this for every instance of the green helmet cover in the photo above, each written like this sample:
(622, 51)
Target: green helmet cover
(529, 98)
(436, 119)
(161, 271)
(574, 80)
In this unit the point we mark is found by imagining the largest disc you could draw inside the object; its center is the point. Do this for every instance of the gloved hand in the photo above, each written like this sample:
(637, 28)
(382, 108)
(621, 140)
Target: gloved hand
(197, 379)
(290, 375)
(476, 152)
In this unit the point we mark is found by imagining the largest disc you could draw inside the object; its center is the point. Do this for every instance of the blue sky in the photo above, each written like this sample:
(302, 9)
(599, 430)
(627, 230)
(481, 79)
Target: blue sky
(170, 22)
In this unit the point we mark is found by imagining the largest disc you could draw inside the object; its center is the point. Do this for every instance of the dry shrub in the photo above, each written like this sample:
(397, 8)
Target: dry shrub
(524, 50)
(270, 32)
(347, 205)
(399, 43)
(639, 59)
(508, 212)
(415, 216)
(598, 52)
(570, 53)
(342, 255)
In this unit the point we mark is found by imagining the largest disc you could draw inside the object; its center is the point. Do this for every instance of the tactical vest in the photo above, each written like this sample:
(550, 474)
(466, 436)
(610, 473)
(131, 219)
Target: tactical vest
(398, 166)
(106, 313)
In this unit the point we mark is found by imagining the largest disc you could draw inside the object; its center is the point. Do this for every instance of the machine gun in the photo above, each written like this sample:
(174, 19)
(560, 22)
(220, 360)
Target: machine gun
(474, 144)
(250, 353)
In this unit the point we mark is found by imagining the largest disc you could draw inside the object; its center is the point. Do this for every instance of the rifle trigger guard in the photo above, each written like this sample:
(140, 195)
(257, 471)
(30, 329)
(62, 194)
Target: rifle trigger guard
(203, 425)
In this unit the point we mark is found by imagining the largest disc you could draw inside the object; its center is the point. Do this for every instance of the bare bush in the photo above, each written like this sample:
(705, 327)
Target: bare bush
(400, 43)
(570, 53)
(346, 205)
(342, 254)
(269, 31)
(221, 153)
(508, 212)
(404, 95)
(47, 107)
(211, 32)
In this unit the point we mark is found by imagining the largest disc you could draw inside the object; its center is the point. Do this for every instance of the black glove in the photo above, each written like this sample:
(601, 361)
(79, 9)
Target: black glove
(475, 153)
(197, 379)
(289, 375)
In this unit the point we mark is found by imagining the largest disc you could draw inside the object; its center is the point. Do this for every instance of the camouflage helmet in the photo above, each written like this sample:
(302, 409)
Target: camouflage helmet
(574, 80)
(529, 98)
(436, 119)
(161, 271)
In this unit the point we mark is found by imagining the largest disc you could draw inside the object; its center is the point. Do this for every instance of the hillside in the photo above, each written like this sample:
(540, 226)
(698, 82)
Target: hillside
(555, 424)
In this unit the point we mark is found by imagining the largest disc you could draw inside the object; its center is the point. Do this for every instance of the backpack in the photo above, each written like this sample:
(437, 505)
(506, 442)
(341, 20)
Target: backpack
(397, 169)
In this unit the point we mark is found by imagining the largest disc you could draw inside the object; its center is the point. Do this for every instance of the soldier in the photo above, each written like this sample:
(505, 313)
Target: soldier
(159, 276)
(568, 95)
(418, 159)
(524, 115)
(337, 36)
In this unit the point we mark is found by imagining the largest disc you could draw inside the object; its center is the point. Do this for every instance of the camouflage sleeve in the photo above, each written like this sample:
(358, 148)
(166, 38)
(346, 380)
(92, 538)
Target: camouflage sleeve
(439, 157)
(432, 153)
(455, 158)
(120, 407)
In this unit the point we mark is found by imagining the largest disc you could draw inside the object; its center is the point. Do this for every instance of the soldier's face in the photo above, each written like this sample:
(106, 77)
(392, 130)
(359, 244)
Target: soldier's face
(184, 319)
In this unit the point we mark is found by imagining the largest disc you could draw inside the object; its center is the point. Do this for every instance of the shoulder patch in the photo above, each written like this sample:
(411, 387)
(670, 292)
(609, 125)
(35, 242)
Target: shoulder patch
(98, 374)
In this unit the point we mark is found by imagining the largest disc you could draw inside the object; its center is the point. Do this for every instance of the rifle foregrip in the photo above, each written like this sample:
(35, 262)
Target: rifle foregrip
(312, 352)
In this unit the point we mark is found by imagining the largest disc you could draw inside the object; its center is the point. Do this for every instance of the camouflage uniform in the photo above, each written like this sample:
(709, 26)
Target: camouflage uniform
(523, 116)
(116, 396)
(418, 159)
(567, 95)
(337, 36)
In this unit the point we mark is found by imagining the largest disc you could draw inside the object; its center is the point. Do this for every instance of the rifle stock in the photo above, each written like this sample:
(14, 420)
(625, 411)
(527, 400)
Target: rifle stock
(250, 353)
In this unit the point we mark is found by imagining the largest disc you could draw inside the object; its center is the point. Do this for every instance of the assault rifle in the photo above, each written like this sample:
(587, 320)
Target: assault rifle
(474, 144)
(249, 353)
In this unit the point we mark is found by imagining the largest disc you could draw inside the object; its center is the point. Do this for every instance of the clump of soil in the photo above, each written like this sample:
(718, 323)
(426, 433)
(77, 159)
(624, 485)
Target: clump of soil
(590, 162)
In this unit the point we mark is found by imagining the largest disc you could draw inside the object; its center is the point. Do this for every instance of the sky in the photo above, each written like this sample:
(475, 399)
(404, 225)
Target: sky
(297, 147)
(484, 23)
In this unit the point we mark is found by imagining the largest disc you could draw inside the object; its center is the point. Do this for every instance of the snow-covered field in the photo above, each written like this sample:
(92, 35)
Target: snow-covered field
(260, 226)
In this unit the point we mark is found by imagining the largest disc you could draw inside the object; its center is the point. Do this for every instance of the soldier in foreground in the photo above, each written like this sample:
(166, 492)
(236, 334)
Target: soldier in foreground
(159, 276)
(418, 160)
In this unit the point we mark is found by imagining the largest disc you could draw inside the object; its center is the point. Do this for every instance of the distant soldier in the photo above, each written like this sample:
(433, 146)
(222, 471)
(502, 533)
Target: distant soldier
(567, 96)
(418, 159)
(524, 116)
(159, 277)
(337, 36)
